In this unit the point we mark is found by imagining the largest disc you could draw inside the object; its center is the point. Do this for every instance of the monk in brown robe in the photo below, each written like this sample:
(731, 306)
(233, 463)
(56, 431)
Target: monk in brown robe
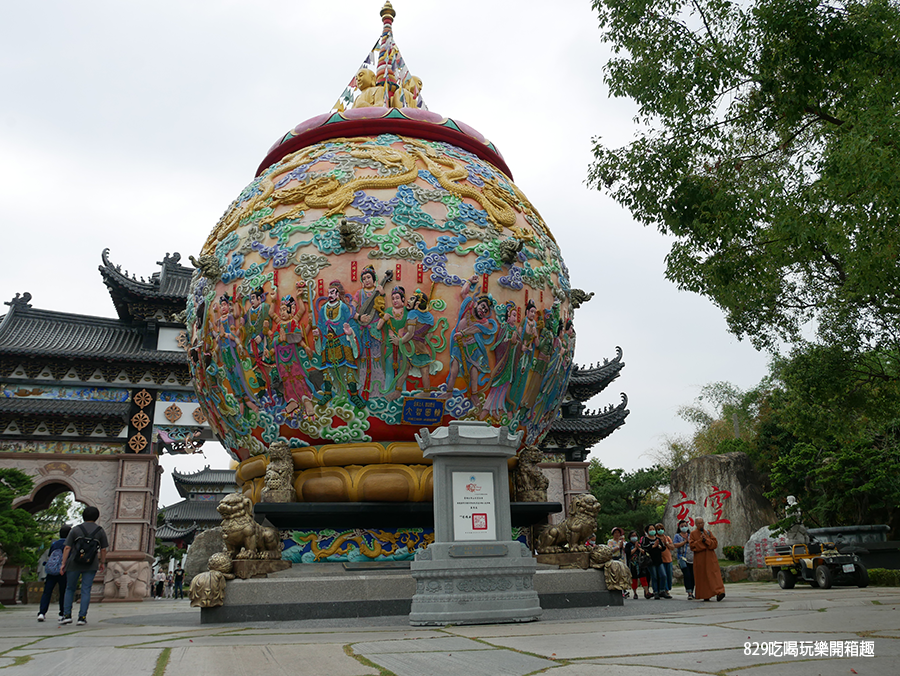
(707, 576)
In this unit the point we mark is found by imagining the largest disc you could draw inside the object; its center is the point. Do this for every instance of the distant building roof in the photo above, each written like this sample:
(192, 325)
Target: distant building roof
(192, 512)
(166, 289)
(64, 407)
(585, 430)
(585, 382)
(26, 331)
(169, 532)
(216, 480)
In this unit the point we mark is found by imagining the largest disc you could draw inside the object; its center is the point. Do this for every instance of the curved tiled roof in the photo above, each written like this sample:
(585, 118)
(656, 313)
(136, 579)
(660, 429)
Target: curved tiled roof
(206, 476)
(587, 429)
(585, 382)
(169, 532)
(193, 512)
(27, 331)
(172, 282)
(64, 407)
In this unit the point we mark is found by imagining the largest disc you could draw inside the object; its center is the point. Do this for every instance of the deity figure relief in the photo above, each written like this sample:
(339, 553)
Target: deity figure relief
(539, 363)
(337, 346)
(419, 324)
(472, 336)
(505, 354)
(290, 354)
(393, 324)
(369, 306)
(231, 349)
(524, 356)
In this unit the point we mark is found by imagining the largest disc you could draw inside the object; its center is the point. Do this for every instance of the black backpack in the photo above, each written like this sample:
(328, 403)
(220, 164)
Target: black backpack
(86, 547)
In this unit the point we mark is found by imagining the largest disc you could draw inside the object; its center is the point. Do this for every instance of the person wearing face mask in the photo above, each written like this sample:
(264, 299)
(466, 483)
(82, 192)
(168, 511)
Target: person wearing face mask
(685, 556)
(666, 560)
(654, 546)
(707, 575)
(638, 563)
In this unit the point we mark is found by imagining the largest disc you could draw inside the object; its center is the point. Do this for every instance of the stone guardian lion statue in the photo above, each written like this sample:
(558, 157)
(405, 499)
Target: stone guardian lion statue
(243, 537)
(572, 534)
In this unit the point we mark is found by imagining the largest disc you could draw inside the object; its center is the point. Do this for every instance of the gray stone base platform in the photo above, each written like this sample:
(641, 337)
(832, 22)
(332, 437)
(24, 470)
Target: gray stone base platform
(327, 590)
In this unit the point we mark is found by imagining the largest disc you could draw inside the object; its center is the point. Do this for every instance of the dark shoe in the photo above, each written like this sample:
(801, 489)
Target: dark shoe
(66, 620)
(721, 596)
(667, 596)
(635, 595)
(656, 597)
(81, 621)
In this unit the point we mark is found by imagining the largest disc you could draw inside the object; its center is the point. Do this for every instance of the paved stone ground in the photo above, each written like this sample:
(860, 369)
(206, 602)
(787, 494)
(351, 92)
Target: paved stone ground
(664, 638)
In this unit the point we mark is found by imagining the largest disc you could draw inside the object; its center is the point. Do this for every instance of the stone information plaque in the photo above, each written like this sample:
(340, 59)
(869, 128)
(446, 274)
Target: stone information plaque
(473, 506)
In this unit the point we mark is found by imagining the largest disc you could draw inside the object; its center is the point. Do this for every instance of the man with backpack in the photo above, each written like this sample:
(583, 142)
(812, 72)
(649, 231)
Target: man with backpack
(54, 577)
(84, 556)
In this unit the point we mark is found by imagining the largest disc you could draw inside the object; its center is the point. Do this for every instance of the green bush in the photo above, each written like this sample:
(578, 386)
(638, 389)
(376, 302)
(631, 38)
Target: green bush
(882, 577)
(734, 553)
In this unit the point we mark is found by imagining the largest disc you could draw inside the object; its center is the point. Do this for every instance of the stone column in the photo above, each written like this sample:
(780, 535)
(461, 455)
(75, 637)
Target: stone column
(474, 573)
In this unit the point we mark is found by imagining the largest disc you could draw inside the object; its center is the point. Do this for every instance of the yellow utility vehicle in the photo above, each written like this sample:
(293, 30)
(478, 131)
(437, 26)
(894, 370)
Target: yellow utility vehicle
(819, 564)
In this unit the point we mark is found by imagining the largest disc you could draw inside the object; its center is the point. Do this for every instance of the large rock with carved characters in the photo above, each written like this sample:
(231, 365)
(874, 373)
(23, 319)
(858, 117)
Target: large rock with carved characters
(381, 274)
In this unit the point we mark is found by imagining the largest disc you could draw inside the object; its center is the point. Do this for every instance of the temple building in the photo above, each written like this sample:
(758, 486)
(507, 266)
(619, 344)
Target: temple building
(201, 491)
(87, 403)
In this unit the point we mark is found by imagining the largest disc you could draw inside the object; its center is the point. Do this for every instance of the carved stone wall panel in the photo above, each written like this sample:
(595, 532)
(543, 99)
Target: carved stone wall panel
(128, 536)
(135, 474)
(127, 580)
(131, 505)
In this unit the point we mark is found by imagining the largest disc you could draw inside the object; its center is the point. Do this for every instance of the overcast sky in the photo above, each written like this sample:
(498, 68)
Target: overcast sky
(132, 125)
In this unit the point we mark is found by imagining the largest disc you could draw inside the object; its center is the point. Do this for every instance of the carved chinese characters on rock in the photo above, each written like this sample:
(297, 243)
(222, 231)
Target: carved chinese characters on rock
(714, 501)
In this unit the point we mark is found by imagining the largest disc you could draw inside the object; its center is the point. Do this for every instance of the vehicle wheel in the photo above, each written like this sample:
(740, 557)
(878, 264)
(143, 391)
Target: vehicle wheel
(823, 577)
(786, 579)
(862, 576)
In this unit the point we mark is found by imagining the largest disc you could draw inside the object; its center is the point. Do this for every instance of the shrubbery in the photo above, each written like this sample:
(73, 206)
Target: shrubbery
(882, 577)
(734, 553)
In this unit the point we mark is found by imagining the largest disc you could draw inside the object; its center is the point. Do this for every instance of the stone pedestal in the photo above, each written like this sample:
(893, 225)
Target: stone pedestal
(248, 568)
(474, 573)
(566, 559)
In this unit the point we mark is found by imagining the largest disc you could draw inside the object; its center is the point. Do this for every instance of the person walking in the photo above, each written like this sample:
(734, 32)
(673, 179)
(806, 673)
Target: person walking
(84, 556)
(170, 583)
(707, 575)
(159, 581)
(54, 576)
(685, 556)
(178, 577)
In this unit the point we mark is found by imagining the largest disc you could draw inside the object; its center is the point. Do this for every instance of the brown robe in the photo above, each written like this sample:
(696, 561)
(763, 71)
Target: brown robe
(707, 576)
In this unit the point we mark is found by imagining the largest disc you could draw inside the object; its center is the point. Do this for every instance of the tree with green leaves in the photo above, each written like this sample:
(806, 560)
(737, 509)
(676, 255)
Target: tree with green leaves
(18, 530)
(627, 499)
(768, 150)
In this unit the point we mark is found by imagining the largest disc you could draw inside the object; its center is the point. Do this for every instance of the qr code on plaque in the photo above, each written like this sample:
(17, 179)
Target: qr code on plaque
(479, 522)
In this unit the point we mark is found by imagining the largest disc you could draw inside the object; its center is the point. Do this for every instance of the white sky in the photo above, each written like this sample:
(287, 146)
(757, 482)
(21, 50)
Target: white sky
(132, 125)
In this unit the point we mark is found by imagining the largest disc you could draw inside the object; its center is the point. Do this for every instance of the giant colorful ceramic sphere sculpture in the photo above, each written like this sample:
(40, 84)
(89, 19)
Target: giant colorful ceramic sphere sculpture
(382, 273)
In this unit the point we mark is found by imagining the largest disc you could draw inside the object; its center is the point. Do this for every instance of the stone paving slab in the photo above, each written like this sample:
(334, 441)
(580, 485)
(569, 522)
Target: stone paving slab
(543, 628)
(88, 662)
(873, 618)
(350, 635)
(658, 640)
(86, 640)
(467, 662)
(612, 670)
(314, 660)
(832, 667)
(446, 644)
(715, 661)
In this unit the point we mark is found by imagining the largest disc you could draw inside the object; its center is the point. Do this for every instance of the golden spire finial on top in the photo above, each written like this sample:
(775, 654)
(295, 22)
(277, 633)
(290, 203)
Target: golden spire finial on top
(387, 10)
